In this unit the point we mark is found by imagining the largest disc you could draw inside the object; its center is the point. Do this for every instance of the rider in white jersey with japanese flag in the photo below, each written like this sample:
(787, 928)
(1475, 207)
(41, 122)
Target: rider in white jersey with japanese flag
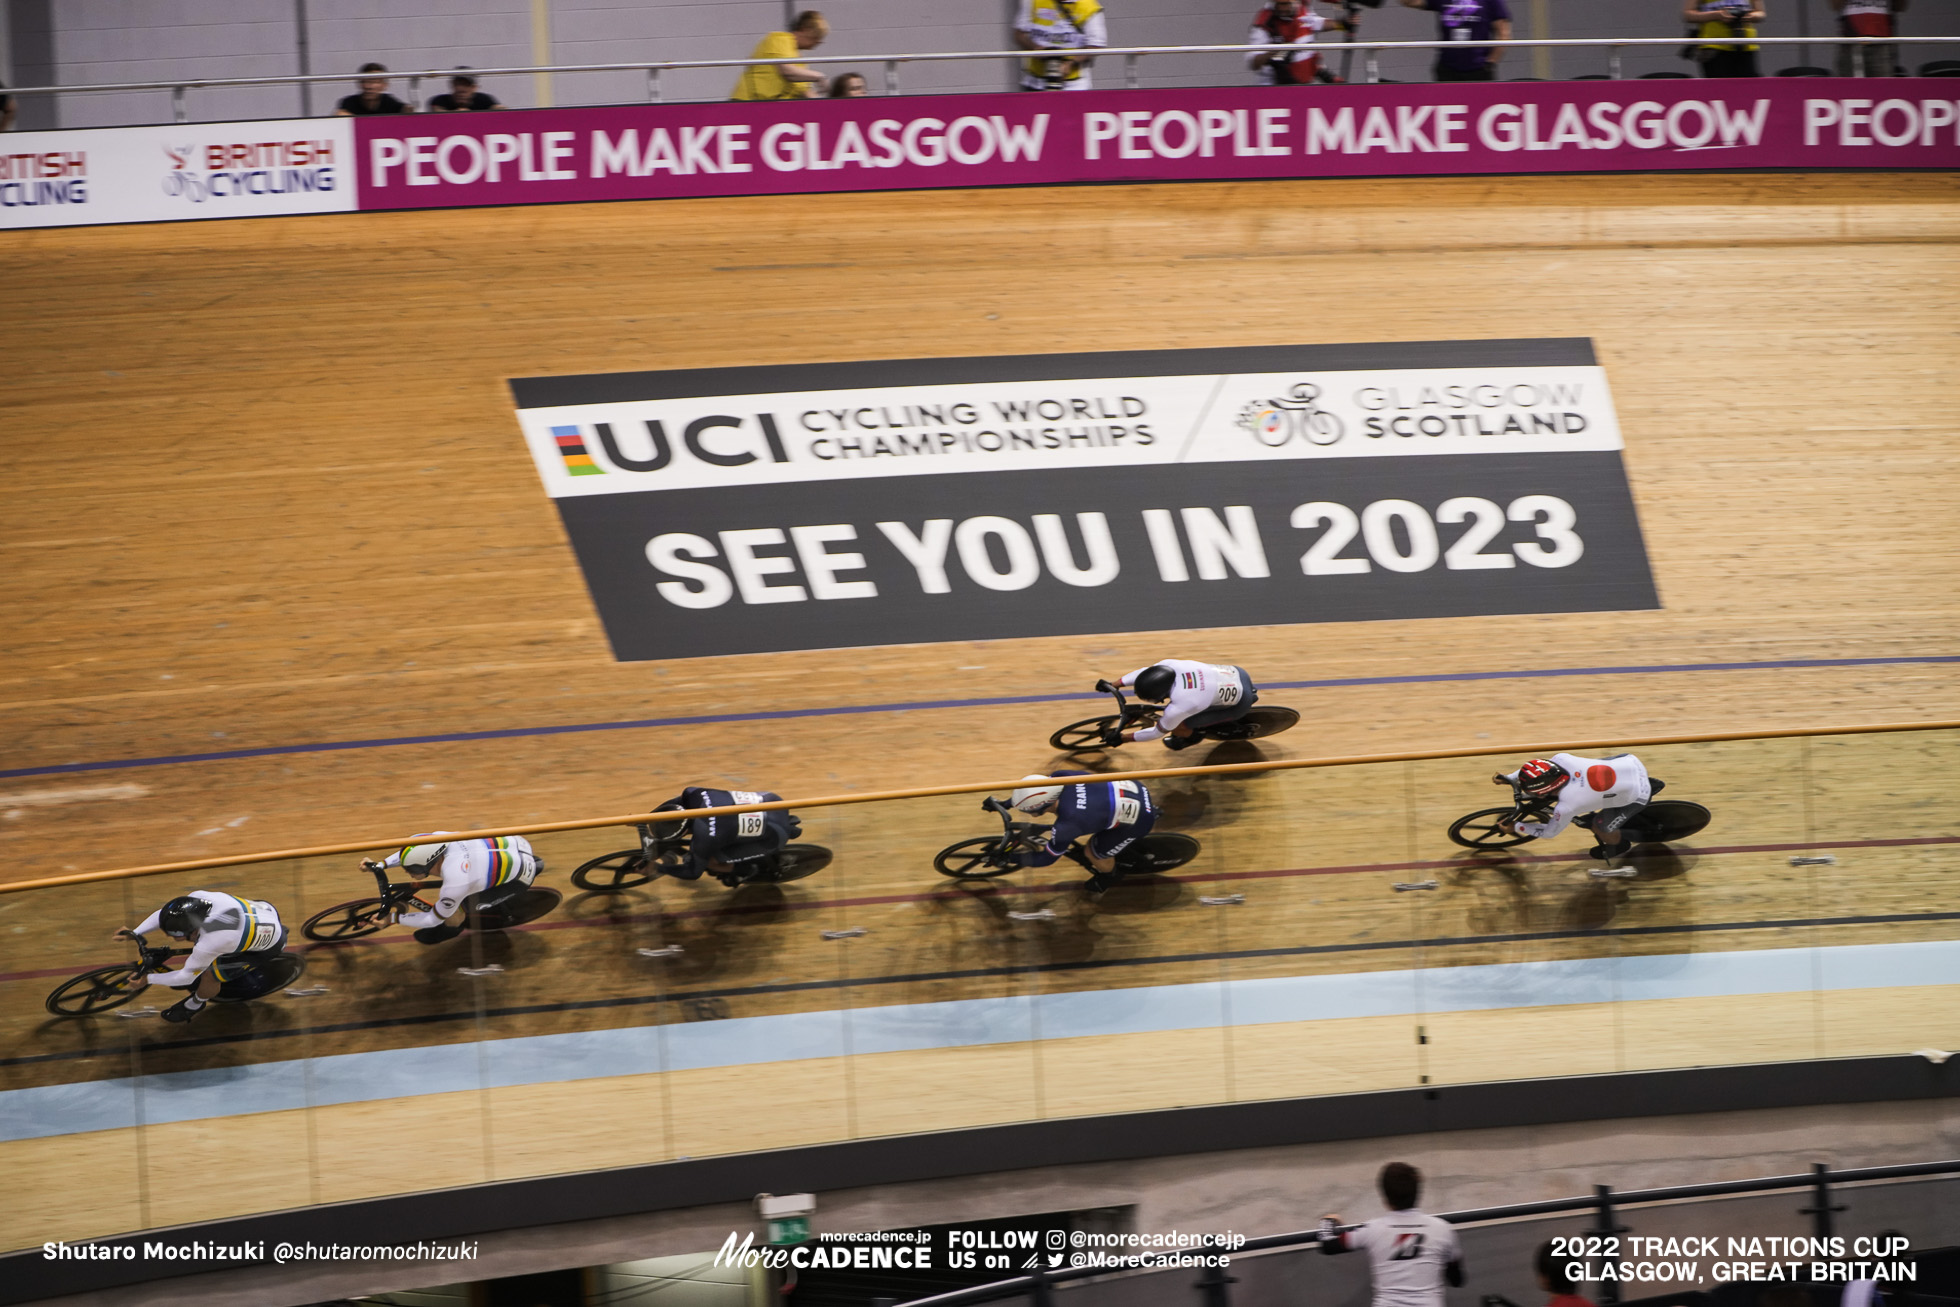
(1194, 695)
(1601, 794)
(1412, 1255)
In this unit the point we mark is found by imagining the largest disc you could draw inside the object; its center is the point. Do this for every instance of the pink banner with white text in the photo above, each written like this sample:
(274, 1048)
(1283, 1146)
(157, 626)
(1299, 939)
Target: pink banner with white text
(630, 152)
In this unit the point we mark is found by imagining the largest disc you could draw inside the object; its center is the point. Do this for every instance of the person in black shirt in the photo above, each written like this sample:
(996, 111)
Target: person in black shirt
(735, 847)
(374, 97)
(463, 97)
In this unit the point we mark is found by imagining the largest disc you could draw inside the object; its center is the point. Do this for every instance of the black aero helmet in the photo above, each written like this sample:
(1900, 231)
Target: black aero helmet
(1155, 682)
(183, 916)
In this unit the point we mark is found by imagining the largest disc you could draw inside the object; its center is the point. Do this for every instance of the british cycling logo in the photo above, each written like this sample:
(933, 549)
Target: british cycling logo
(248, 168)
(1274, 422)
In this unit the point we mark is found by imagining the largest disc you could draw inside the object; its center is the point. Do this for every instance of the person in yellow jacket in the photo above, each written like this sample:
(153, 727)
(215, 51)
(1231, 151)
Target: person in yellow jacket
(1718, 23)
(1059, 25)
(785, 81)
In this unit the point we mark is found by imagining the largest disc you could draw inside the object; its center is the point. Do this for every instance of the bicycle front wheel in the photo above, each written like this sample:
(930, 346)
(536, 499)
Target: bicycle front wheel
(349, 920)
(94, 991)
(1082, 736)
(1479, 830)
(967, 860)
(626, 869)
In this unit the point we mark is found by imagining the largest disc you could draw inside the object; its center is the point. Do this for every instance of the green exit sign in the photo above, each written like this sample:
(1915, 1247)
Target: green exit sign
(787, 1230)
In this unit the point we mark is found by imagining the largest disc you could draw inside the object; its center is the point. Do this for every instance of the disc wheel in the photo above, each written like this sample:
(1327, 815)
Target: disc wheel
(1479, 830)
(794, 862)
(967, 860)
(94, 991)
(349, 920)
(1258, 722)
(1157, 852)
(528, 906)
(1082, 736)
(268, 977)
(1667, 819)
(611, 872)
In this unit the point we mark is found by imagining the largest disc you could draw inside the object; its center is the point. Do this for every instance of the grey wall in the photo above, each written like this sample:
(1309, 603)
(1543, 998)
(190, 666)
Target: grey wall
(72, 42)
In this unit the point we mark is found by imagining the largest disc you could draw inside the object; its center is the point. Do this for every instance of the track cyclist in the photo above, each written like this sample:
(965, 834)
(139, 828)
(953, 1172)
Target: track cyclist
(227, 934)
(1600, 794)
(731, 847)
(476, 874)
(1195, 695)
(1112, 815)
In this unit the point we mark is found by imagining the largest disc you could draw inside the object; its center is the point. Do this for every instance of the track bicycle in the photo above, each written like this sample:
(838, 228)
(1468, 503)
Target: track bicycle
(110, 987)
(665, 847)
(988, 856)
(358, 917)
(1093, 733)
(1661, 821)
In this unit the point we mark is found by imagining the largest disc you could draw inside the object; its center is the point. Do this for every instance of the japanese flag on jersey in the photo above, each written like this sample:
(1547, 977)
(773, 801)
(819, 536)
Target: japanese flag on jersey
(1407, 1252)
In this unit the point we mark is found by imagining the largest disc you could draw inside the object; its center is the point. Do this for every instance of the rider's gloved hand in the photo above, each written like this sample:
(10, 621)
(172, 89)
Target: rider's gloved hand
(1104, 687)
(369, 864)
(1113, 736)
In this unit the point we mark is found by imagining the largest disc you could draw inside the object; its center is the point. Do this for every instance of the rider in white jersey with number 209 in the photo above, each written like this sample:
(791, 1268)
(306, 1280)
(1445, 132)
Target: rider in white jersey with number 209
(1194, 695)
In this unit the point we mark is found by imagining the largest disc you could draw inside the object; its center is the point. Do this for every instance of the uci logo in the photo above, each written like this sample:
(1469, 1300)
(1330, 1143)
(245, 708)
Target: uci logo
(719, 439)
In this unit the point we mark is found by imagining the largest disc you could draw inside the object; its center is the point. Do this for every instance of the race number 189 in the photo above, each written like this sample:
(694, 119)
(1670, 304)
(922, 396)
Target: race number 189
(1401, 536)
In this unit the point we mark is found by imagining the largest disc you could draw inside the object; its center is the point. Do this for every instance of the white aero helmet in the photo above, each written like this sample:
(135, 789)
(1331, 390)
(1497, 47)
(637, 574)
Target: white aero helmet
(1036, 798)
(419, 856)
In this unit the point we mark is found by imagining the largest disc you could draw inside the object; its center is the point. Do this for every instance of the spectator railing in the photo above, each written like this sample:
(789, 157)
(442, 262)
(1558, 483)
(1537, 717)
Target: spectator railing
(1131, 56)
(1605, 1205)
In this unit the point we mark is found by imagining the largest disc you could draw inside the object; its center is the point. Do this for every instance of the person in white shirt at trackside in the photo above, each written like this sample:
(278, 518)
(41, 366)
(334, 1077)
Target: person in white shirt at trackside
(1601, 794)
(476, 874)
(227, 935)
(1194, 695)
(1412, 1255)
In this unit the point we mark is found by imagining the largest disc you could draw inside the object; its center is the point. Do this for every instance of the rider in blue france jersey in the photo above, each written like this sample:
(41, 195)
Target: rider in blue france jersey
(1111, 815)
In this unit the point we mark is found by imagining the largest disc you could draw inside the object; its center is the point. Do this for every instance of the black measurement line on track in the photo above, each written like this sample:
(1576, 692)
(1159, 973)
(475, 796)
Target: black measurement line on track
(975, 973)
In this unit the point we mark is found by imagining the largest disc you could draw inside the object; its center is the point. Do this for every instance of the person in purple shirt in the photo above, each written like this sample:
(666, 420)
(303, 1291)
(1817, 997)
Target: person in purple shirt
(1464, 23)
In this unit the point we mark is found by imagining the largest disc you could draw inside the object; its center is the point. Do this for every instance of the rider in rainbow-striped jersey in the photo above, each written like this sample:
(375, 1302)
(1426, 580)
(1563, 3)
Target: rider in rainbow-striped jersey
(476, 874)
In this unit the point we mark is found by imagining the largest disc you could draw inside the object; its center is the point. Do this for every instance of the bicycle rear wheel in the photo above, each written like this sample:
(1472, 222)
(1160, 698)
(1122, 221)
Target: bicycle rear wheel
(627, 869)
(1667, 819)
(1082, 736)
(794, 862)
(94, 991)
(515, 911)
(267, 977)
(349, 920)
(967, 860)
(1156, 852)
(1259, 721)
(1479, 830)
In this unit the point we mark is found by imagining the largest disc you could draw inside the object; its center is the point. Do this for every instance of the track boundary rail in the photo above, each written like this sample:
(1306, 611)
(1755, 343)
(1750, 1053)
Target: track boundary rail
(1603, 1200)
(1130, 54)
(972, 787)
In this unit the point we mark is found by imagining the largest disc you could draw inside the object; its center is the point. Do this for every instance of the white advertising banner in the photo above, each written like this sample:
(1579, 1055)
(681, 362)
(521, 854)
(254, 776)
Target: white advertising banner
(169, 174)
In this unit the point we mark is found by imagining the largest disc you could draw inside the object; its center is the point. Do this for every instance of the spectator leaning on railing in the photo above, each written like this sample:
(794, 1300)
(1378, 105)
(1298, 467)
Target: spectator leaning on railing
(1290, 22)
(1059, 25)
(463, 97)
(785, 81)
(1869, 18)
(1717, 19)
(373, 97)
(1465, 22)
(1411, 1255)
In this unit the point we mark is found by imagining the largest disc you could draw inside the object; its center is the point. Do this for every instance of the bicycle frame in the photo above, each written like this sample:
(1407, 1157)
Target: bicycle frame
(1014, 831)
(1131, 713)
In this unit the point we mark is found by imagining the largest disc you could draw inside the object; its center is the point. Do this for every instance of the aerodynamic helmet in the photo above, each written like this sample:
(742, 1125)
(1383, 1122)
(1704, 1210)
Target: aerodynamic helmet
(1541, 777)
(183, 916)
(1036, 798)
(418, 856)
(1155, 683)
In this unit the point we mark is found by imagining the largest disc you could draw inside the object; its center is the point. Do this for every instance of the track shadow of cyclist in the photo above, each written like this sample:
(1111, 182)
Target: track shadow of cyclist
(715, 938)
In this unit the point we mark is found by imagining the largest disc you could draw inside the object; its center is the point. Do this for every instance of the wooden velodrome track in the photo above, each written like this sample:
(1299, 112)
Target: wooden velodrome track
(267, 492)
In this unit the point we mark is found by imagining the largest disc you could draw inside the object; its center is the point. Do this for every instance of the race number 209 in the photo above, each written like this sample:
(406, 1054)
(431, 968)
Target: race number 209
(1401, 535)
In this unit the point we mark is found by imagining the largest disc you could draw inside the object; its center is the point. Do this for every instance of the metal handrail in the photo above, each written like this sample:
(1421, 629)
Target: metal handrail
(1819, 1175)
(653, 68)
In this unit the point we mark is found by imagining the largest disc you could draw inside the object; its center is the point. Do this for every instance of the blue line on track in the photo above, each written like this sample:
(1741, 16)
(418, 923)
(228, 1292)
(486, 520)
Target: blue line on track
(713, 719)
